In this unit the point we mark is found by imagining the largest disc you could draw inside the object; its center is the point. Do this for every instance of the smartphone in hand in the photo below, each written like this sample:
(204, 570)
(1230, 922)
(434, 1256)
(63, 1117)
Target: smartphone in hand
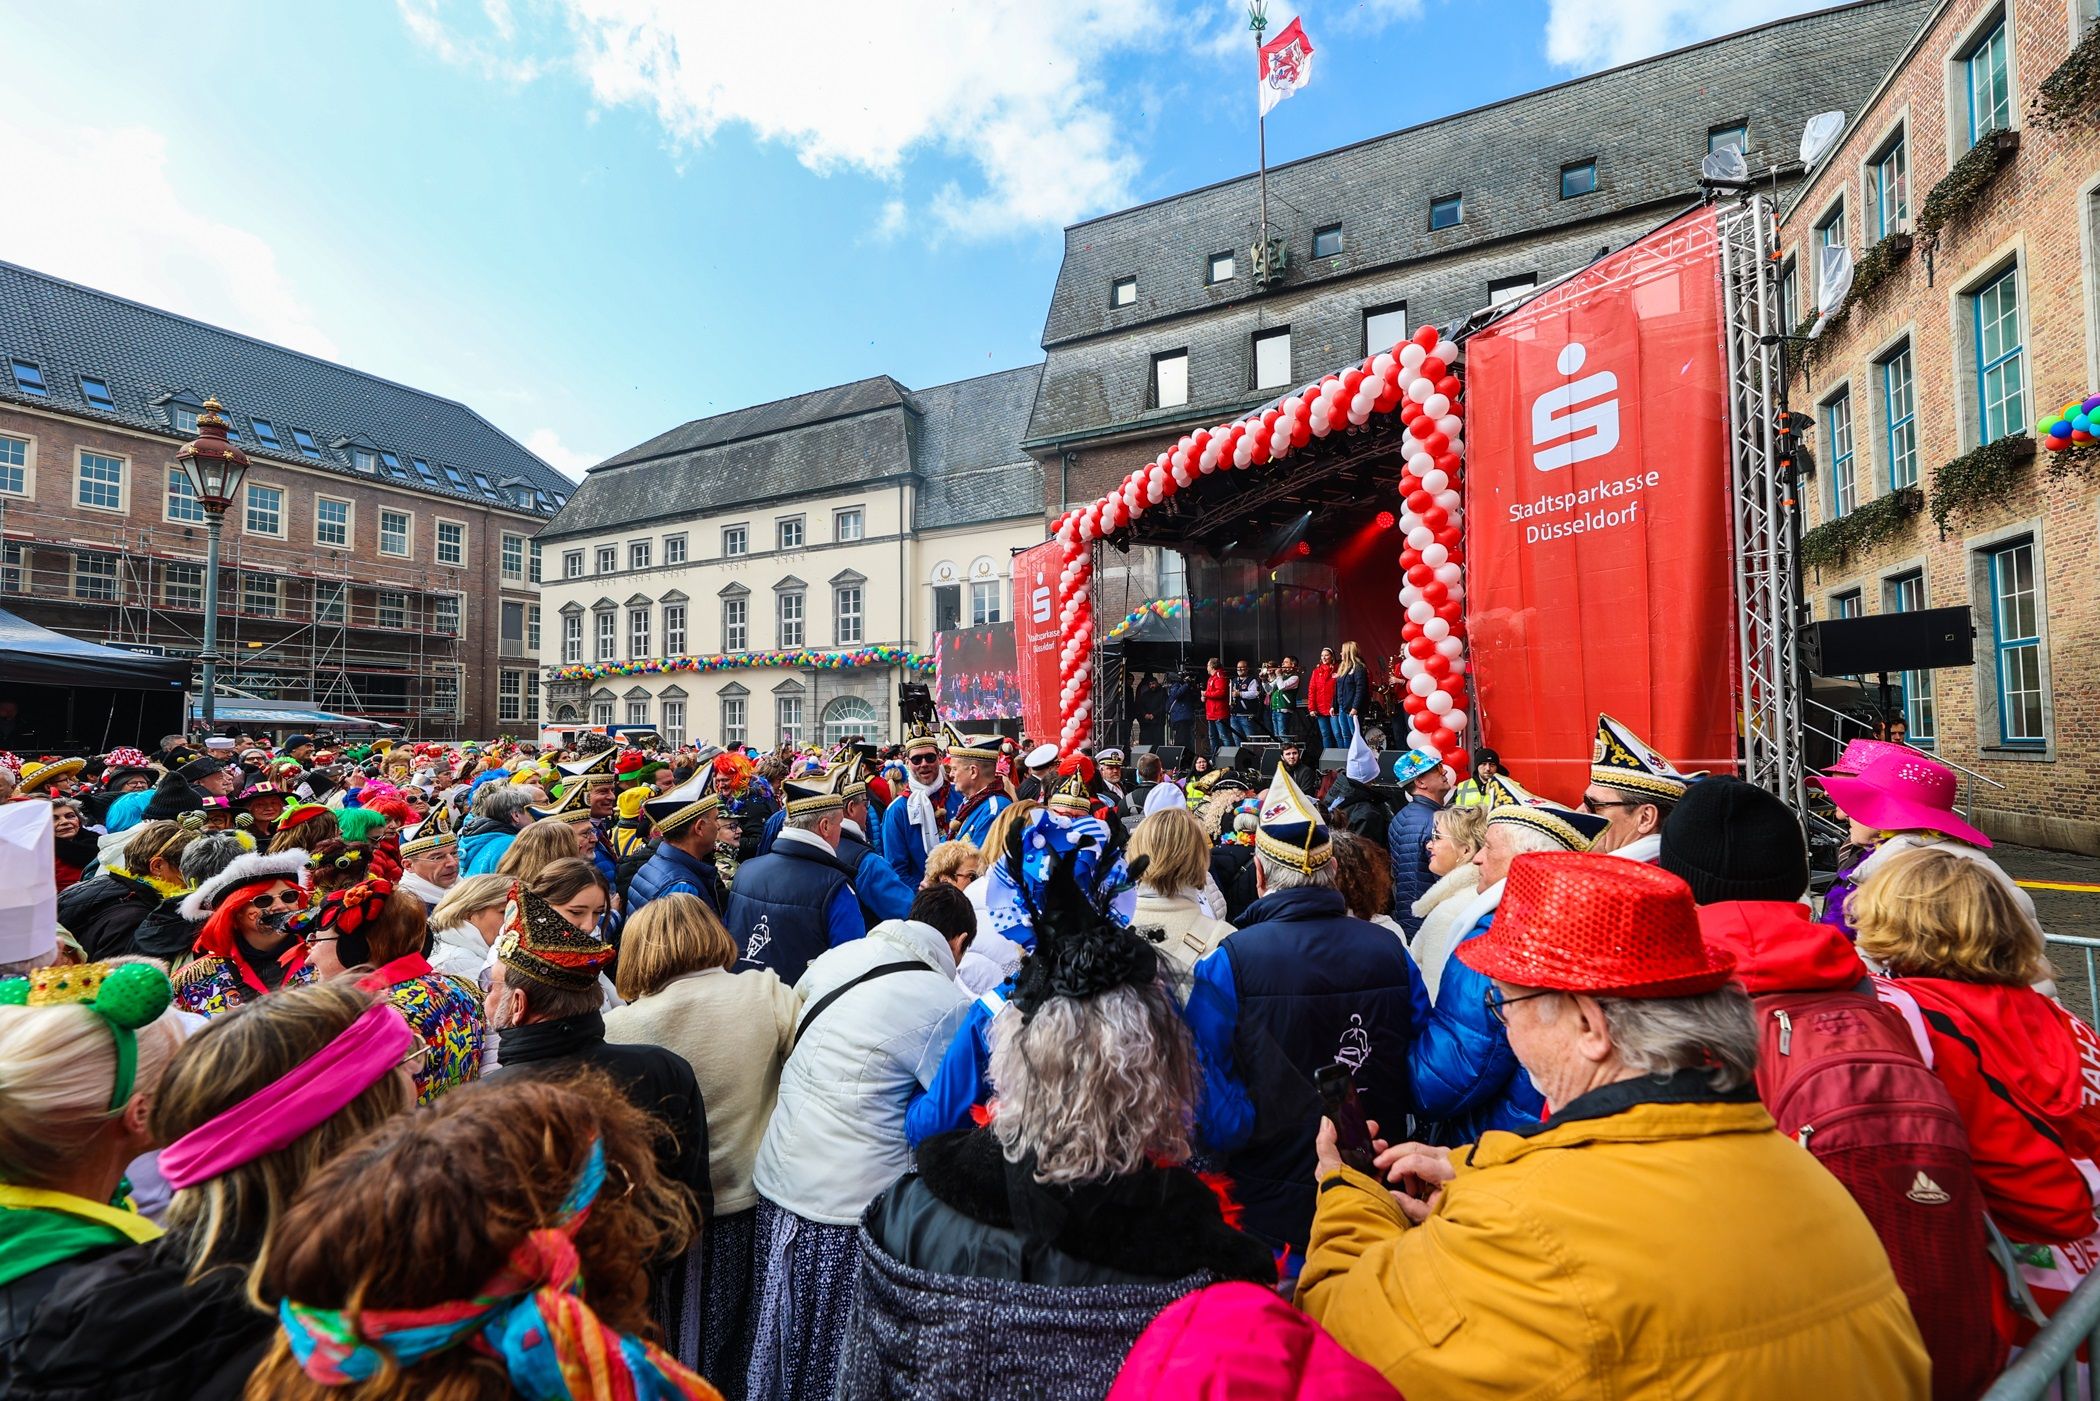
(1352, 1134)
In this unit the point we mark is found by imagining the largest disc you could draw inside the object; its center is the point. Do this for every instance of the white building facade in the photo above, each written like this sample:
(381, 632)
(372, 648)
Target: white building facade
(770, 574)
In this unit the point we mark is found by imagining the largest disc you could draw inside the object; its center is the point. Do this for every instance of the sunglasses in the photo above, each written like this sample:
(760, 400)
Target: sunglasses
(1594, 805)
(290, 899)
(1497, 1004)
(925, 759)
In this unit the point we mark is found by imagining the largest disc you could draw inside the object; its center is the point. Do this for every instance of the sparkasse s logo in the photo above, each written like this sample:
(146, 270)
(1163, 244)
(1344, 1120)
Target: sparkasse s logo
(1039, 601)
(1580, 419)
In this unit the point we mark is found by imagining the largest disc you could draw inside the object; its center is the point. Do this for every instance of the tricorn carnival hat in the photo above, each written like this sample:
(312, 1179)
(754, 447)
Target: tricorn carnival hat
(539, 943)
(986, 747)
(689, 801)
(434, 833)
(1289, 829)
(1621, 760)
(1571, 922)
(574, 804)
(814, 794)
(1073, 796)
(1510, 805)
(923, 744)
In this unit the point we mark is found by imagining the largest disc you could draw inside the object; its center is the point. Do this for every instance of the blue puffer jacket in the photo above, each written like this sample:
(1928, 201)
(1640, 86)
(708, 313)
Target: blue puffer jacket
(1407, 846)
(669, 871)
(1466, 1078)
(483, 845)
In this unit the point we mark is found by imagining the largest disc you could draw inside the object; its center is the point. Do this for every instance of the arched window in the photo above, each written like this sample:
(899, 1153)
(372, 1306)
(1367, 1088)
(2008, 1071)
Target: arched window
(850, 717)
(566, 715)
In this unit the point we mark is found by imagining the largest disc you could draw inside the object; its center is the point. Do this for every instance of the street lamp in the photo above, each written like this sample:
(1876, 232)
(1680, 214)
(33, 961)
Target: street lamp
(215, 468)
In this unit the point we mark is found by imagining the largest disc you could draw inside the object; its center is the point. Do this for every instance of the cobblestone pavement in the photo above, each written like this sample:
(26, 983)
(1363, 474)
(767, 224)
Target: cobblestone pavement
(2075, 913)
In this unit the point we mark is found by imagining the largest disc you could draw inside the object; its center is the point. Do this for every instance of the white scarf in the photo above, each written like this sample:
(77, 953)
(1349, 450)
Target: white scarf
(422, 889)
(918, 806)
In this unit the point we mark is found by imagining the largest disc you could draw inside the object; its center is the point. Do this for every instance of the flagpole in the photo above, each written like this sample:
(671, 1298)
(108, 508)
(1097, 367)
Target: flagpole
(1258, 21)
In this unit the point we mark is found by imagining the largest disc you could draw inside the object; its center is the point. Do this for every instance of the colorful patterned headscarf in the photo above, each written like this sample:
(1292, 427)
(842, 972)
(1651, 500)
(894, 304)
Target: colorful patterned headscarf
(530, 1314)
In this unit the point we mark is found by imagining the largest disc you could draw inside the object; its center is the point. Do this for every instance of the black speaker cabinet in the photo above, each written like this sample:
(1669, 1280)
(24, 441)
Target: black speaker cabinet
(1916, 641)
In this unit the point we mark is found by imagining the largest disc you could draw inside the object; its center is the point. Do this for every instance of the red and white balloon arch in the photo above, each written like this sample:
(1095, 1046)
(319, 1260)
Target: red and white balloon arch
(1416, 378)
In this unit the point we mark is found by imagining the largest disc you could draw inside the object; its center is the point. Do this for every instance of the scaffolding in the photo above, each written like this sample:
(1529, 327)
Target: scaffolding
(332, 628)
(1768, 615)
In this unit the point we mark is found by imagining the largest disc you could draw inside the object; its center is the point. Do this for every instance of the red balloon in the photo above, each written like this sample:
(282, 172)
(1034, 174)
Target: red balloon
(1352, 380)
(1421, 649)
(1423, 720)
(1425, 336)
(1448, 536)
(1432, 369)
(1261, 449)
(1435, 594)
(1410, 410)
(1433, 442)
(1436, 663)
(1447, 463)
(1301, 432)
(1456, 758)
(1448, 386)
(1410, 631)
(1420, 575)
(1409, 558)
(1436, 517)
(1420, 501)
(1268, 420)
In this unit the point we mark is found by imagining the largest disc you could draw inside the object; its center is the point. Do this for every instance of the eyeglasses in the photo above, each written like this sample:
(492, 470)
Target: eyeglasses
(414, 1059)
(1595, 805)
(1497, 1004)
(290, 899)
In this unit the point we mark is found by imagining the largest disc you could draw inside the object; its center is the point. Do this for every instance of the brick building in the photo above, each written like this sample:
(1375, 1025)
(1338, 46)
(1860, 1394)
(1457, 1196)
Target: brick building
(1158, 324)
(691, 578)
(379, 563)
(1972, 210)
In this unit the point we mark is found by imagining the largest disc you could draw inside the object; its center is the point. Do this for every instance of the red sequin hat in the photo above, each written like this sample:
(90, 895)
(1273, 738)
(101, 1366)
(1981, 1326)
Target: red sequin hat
(1573, 922)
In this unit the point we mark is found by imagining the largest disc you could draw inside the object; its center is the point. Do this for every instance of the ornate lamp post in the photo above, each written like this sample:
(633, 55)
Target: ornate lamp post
(215, 468)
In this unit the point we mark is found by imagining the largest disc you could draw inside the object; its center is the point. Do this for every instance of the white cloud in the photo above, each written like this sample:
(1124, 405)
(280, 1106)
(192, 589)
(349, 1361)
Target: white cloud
(547, 446)
(1014, 87)
(1590, 34)
(150, 238)
(486, 58)
(890, 225)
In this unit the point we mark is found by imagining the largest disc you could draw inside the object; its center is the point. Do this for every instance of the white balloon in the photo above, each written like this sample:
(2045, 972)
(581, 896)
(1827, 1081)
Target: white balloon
(1320, 425)
(1358, 416)
(1434, 628)
(1455, 592)
(1434, 478)
(1417, 740)
(1446, 352)
(1426, 616)
(1243, 454)
(1456, 721)
(1436, 405)
(1450, 501)
(1422, 685)
(1365, 398)
(1419, 389)
(1421, 537)
(1382, 364)
(1440, 703)
(1412, 355)
(1451, 647)
(1455, 517)
(1409, 595)
(1458, 666)
(1446, 573)
(1449, 424)
(1411, 667)
(1422, 464)
(1434, 553)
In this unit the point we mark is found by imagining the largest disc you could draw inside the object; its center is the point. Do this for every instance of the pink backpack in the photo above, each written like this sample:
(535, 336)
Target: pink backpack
(1841, 1075)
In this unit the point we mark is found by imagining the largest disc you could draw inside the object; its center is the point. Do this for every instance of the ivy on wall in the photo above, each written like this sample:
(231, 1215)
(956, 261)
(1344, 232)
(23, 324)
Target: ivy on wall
(2072, 93)
(1963, 186)
(1876, 266)
(1883, 518)
(1988, 474)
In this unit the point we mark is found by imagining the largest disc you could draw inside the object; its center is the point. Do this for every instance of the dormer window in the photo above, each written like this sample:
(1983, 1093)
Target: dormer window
(97, 394)
(307, 446)
(183, 417)
(364, 459)
(1123, 292)
(29, 379)
(265, 433)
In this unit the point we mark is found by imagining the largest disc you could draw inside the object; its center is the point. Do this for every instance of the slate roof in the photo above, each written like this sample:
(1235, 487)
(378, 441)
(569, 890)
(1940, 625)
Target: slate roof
(145, 355)
(961, 442)
(1645, 125)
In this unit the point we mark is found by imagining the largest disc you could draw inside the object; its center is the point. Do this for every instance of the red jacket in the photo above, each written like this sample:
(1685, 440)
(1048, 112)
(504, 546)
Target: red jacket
(1215, 704)
(1241, 1341)
(1779, 948)
(1319, 690)
(2048, 1063)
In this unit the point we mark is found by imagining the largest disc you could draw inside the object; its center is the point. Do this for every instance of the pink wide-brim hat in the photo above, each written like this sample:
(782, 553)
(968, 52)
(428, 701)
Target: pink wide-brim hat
(1862, 752)
(1902, 791)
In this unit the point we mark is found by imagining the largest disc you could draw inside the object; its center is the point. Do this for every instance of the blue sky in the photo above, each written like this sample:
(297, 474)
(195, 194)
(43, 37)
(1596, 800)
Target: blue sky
(594, 219)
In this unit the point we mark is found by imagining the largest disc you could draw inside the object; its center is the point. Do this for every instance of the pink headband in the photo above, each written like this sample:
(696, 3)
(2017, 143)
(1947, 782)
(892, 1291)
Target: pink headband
(301, 1099)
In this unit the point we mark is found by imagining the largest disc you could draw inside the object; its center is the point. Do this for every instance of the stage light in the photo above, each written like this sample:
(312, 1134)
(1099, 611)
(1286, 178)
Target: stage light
(1304, 548)
(1385, 520)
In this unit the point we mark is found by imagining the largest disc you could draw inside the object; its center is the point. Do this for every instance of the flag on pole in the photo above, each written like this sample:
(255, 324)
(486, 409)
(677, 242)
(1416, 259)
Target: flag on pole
(1286, 65)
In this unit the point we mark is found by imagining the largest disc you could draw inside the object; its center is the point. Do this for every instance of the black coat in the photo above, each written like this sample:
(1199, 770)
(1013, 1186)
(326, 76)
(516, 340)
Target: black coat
(967, 1211)
(1232, 867)
(126, 1324)
(104, 912)
(1361, 804)
(164, 933)
(655, 1079)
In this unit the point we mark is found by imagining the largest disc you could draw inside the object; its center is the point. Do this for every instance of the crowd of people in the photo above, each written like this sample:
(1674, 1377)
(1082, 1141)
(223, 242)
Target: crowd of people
(963, 1069)
(1224, 706)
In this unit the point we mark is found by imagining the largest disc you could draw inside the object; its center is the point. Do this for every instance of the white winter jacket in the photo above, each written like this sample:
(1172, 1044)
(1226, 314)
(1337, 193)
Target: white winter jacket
(837, 1135)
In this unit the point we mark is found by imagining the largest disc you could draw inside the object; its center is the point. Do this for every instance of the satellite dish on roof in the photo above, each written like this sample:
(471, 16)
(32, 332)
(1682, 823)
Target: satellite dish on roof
(1725, 166)
(1833, 285)
(1822, 129)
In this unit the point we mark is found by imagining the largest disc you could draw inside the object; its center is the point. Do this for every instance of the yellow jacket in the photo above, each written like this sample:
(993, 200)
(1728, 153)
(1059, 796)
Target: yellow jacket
(1660, 1249)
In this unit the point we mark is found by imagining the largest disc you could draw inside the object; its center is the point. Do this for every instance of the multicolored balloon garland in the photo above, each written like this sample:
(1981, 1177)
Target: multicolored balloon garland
(843, 660)
(1415, 378)
(1177, 607)
(2077, 423)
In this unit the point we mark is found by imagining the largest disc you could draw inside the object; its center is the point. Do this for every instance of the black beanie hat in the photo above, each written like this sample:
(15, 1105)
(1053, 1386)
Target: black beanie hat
(1731, 840)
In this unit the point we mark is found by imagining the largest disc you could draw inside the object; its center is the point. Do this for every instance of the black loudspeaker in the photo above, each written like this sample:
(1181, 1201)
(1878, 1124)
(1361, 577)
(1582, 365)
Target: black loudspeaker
(1386, 759)
(1917, 641)
(1333, 758)
(1171, 755)
(1137, 749)
(1227, 757)
(1256, 759)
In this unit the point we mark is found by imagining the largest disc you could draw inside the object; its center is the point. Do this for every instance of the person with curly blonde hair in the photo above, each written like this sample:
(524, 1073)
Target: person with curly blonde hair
(1960, 958)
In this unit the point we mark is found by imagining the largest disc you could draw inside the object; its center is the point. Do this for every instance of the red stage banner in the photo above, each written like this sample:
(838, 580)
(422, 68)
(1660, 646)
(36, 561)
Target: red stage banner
(1036, 627)
(1599, 550)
